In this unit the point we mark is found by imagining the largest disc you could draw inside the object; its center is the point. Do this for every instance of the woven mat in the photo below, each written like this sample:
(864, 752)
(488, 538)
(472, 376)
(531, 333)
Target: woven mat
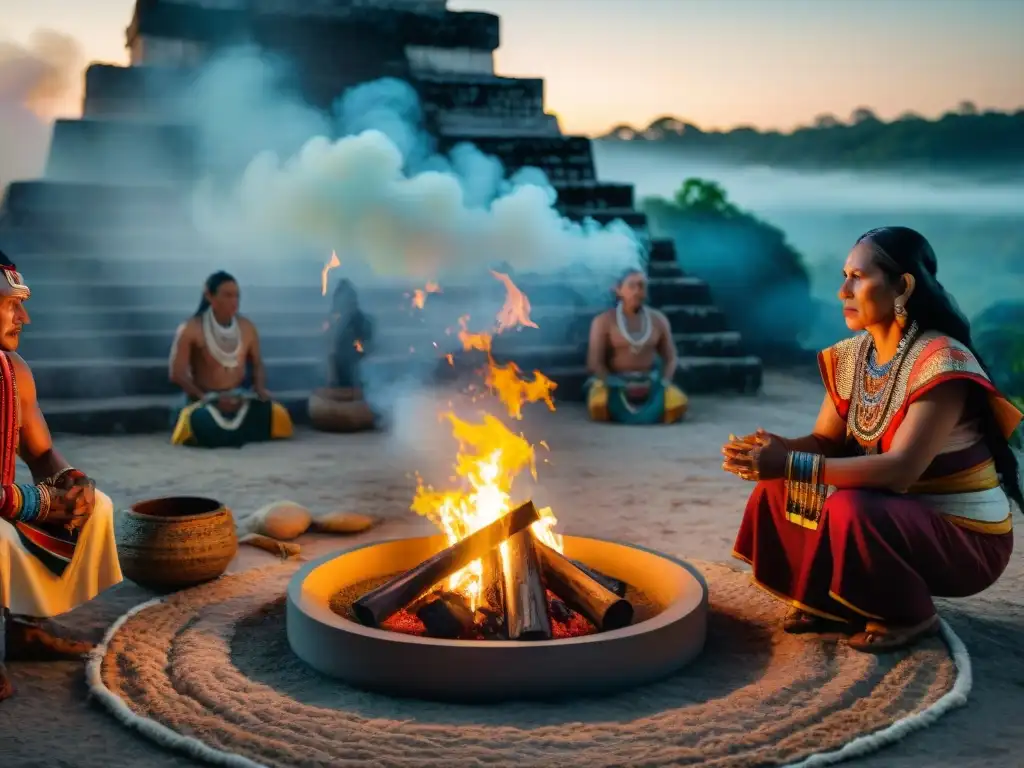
(208, 672)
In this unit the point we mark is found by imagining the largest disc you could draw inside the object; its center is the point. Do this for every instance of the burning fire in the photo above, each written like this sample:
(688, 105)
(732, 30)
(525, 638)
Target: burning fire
(516, 311)
(490, 456)
(358, 345)
(488, 460)
(504, 380)
(332, 264)
(419, 296)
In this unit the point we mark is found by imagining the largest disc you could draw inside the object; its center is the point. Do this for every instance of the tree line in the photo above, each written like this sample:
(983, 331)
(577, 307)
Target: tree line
(964, 137)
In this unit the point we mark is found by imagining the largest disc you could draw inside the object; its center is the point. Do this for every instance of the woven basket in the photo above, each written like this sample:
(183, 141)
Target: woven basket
(340, 410)
(175, 542)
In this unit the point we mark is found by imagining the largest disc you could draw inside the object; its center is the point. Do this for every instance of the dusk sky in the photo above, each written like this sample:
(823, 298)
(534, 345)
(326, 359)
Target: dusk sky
(717, 63)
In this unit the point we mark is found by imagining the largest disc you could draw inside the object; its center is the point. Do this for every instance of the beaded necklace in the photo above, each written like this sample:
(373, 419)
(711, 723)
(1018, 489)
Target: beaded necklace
(874, 385)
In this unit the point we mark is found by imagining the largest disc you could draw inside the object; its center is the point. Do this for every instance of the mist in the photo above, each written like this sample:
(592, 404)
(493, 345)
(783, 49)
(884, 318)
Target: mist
(976, 228)
(33, 82)
(367, 181)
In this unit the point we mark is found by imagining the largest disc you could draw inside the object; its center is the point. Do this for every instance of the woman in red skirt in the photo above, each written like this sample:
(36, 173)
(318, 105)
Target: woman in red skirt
(903, 490)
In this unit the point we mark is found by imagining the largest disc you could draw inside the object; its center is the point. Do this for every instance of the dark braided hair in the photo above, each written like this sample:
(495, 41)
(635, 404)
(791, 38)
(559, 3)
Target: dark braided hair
(212, 285)
(906, 251)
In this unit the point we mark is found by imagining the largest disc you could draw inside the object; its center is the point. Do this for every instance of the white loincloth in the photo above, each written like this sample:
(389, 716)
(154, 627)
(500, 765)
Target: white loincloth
(29, 588)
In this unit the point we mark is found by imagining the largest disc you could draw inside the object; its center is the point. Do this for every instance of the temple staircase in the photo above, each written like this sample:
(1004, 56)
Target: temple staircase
(115, 266)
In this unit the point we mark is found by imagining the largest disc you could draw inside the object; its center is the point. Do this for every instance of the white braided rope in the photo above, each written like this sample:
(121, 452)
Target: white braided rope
(859, 747)
(872, 742)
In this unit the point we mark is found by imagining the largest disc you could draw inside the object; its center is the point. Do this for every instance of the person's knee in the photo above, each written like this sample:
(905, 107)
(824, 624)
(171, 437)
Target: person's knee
(102, 509)
(849, 506)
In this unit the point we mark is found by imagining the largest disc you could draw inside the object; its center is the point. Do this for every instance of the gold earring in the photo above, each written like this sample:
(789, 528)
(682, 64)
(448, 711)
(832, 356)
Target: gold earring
(901, 314)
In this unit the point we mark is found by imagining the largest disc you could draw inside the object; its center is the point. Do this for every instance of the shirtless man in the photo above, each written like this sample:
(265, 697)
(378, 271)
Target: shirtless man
(626, 342)
(57, 546)
(209, 359)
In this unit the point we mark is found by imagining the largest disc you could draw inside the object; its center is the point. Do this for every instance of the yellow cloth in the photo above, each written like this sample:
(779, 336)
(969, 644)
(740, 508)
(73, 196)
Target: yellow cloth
(676, 403)
(29, 588)
(281, 425)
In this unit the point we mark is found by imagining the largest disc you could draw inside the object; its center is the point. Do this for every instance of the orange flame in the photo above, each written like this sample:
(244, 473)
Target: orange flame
(488, 460)
(470, 341)
(419, 296)
(516, 310)
(358, 345)
(333, 263)
(514, 392)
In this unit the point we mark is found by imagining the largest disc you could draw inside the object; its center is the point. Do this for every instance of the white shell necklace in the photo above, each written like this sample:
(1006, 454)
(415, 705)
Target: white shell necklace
(635, 343)
(223, 343)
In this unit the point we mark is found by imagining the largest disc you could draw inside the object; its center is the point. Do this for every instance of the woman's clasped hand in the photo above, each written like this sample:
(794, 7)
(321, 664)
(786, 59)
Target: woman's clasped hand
(757, 456)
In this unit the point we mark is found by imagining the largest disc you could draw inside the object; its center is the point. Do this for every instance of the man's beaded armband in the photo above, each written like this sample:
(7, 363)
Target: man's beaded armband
(24, 503)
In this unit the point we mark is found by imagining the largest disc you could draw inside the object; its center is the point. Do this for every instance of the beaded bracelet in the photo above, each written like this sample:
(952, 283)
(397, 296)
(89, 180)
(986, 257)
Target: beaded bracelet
(805, 491)
(55, 479)
(25, 503)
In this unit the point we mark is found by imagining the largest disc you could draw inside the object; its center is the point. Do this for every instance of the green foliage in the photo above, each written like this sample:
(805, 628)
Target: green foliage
(958, 139)
(999, 338)
(756, 277)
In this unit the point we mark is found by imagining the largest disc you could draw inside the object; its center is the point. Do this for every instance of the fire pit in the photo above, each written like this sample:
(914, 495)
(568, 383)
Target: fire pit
(655, 627)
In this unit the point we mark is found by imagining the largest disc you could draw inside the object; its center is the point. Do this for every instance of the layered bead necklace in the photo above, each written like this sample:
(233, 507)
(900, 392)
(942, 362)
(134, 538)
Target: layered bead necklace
(875, 385)
(223, 343)
(636, 343)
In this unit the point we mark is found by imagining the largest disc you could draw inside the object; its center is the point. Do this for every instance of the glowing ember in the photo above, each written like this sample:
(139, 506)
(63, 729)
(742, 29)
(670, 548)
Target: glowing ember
(332, 264)
(489, 459)
(358, 345)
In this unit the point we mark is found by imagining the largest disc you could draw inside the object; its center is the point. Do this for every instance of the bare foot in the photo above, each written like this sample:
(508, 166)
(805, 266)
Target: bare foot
(6, 686)
(883, 638)
(34, 640)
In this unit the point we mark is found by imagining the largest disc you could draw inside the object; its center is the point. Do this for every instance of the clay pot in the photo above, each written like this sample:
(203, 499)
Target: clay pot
(175, 542)
(340, 410)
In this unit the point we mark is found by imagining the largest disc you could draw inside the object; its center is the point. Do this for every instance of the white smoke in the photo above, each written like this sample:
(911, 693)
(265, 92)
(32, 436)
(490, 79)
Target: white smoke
(34, 81)
(368, 183)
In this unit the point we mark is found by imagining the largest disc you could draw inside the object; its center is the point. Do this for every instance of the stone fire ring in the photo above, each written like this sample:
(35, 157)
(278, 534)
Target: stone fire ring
(490, 671)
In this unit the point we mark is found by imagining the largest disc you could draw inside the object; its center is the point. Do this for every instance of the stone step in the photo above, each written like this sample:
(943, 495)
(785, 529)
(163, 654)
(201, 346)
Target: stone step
(42, 196)
(684, 318)
(562, 158)
(660, 269)
(543, 345)
(107, 415)
(663, 250)
(142, 292)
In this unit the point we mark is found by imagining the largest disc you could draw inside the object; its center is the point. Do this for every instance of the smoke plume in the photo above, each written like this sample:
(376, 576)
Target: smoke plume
(33, 82)
(367, 181)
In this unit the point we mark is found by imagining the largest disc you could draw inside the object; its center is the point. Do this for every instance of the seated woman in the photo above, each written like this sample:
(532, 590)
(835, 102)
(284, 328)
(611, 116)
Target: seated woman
(902, 490)
(208, 361)
(340, 406)
(628, 384)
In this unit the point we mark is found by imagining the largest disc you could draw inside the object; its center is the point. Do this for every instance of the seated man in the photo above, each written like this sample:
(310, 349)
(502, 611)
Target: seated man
(628, 385)
(57, 546)
(340, 407)
(208, 361)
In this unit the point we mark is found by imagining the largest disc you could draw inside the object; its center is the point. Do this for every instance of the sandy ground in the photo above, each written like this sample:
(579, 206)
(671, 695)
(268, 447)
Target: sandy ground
(659, 487)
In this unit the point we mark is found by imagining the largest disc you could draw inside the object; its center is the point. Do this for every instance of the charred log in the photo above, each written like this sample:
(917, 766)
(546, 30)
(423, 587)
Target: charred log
(526, 599)
(581, 592)
(389, 598)
(612, 585)
(490, 614)
(560, 612)
(447, 615)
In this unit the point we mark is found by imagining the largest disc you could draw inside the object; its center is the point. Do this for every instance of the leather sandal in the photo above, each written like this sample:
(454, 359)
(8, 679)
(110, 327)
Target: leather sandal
(883, 638)
(799, 622)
